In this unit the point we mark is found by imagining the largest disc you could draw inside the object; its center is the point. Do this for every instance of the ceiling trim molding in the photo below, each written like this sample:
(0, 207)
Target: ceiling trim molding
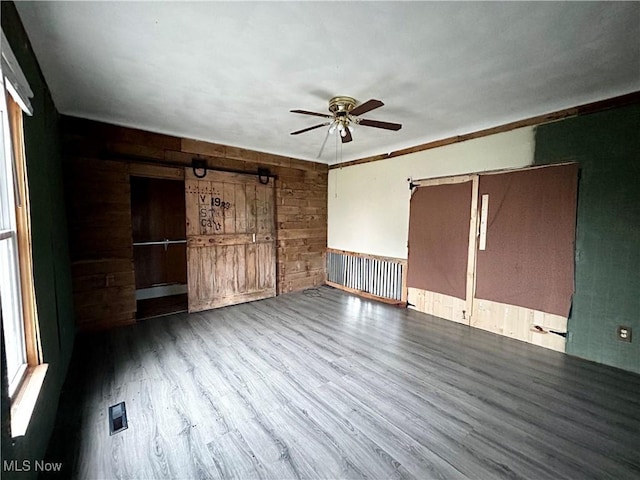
(615, 102)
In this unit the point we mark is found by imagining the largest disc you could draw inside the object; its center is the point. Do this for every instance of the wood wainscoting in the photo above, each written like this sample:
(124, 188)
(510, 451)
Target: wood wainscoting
(525, 324)
(438, 305)
(99, 160)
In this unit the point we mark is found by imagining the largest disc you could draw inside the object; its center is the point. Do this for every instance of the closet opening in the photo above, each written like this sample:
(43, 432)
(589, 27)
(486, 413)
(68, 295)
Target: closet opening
(159, 246)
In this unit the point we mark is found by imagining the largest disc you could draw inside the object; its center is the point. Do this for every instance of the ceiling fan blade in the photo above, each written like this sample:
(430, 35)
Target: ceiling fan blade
(366, 107)
(305, 112)
(347, 136)
(378, 124)
(310, 128)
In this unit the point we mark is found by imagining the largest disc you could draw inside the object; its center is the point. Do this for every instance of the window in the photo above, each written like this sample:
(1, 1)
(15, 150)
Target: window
(25, 370)
(16, 280)
(10, 292)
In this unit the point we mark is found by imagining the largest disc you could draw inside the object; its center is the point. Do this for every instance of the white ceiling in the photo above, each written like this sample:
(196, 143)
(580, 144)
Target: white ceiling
(229, 72)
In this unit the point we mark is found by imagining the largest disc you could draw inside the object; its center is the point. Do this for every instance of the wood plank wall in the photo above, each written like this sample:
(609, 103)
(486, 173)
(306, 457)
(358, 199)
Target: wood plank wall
(99, 158)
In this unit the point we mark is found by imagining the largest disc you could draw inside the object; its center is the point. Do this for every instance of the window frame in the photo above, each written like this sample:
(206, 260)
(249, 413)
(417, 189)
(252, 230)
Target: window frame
(10, 278)
(23, 224)
(25, 382)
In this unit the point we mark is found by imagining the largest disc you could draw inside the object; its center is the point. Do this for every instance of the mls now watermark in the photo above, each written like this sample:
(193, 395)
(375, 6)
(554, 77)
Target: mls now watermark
(28, 465)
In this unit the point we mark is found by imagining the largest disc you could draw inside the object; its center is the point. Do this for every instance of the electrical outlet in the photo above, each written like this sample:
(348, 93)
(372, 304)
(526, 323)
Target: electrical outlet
(624, 333)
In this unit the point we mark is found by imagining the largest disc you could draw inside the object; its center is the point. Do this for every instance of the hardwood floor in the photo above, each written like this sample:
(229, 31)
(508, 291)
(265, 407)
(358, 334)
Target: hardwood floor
(323, 384)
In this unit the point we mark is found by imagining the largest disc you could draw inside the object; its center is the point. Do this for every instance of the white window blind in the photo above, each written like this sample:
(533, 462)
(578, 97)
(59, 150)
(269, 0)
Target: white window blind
(14, 80)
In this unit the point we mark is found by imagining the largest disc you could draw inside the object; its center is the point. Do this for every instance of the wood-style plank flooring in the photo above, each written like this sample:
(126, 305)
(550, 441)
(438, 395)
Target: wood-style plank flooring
(323, 384)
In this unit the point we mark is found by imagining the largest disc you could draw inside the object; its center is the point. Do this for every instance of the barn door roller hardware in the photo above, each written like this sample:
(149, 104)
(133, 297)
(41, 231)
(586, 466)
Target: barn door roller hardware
(200, 170)
(199, 166)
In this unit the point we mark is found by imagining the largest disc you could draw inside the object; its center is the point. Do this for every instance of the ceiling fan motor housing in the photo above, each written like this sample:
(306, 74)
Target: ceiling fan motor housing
(341, 106)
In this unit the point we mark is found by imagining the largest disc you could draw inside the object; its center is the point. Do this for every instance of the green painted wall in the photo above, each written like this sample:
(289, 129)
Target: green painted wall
(607, 146)
(52, 275)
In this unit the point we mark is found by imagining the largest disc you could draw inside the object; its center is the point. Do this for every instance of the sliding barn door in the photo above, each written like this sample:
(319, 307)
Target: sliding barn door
(525, 258)
(231, 252)
(441, 245)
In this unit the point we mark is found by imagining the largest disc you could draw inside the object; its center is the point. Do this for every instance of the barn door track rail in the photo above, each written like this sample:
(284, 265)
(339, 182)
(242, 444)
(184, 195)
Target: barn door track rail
(200, 171)
(199, 166)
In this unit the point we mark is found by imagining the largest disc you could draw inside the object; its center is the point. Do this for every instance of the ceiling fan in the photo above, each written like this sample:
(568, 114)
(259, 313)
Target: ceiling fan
(345, 114)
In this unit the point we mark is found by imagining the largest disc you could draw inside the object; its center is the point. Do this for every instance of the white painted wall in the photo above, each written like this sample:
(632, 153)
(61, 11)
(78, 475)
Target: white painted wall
(369, 203)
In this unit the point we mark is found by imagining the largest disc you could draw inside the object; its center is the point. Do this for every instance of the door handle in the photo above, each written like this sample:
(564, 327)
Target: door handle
(254, 238)
(166, 242)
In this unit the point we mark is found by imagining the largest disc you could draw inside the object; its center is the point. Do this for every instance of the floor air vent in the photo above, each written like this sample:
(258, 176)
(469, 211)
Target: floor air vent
(117, 418)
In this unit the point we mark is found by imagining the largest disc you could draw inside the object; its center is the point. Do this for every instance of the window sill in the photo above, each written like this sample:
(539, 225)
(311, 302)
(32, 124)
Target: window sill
(24, 401)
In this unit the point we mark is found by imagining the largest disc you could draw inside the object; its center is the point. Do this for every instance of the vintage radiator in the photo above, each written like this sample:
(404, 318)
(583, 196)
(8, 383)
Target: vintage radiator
(378, 276)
